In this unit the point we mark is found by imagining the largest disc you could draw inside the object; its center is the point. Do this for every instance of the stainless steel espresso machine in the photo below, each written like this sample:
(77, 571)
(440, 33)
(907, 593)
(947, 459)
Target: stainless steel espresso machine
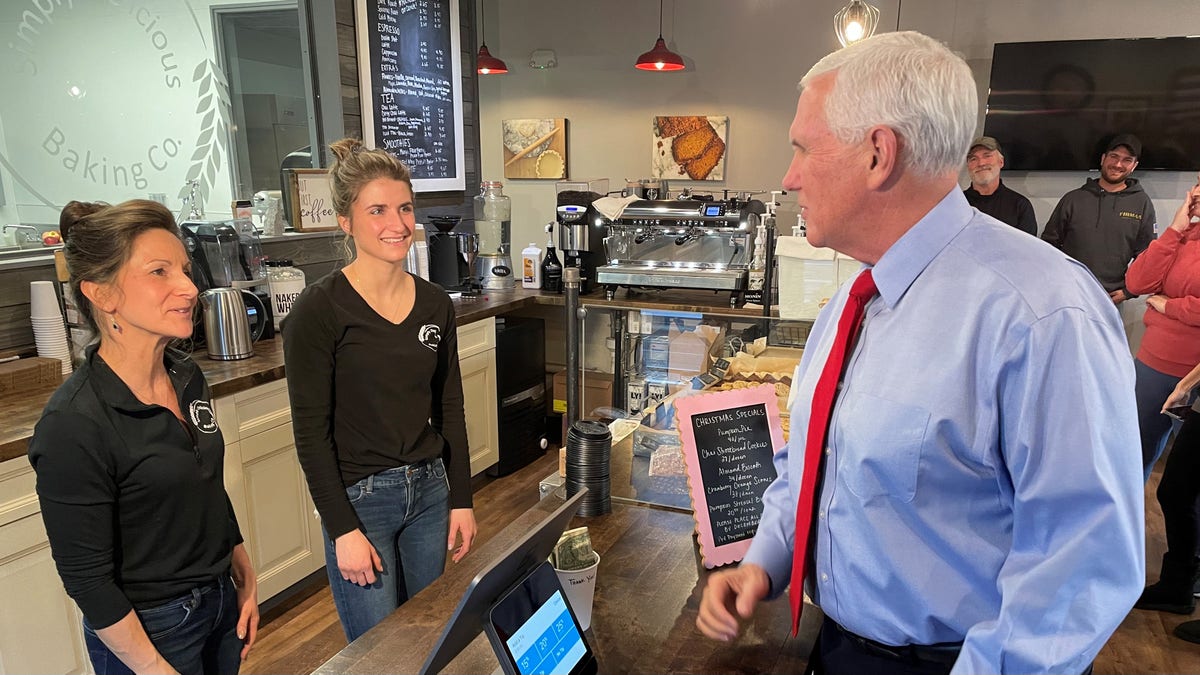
(682, 244)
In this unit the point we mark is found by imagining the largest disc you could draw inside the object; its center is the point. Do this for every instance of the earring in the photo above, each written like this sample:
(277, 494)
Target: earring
(115, 326)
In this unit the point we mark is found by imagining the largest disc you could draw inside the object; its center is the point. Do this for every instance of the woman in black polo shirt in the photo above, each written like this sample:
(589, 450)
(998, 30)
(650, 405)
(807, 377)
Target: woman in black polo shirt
(129, 459)
(377, 402)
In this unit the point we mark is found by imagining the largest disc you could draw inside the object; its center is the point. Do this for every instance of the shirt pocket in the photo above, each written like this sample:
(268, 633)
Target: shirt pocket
(879, 446)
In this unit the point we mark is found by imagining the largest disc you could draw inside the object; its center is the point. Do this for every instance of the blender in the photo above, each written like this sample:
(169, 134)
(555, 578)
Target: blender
(493, 214)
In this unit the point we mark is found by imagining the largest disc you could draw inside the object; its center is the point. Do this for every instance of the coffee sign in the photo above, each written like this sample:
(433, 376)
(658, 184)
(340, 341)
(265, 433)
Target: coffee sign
(729, 442)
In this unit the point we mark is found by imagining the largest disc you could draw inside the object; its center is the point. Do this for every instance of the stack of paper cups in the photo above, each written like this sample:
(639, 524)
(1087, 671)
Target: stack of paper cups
(49, 331)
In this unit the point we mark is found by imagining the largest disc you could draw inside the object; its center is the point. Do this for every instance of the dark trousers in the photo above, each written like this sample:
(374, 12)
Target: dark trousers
(838, 651)
(196, 633)
(1179, 497)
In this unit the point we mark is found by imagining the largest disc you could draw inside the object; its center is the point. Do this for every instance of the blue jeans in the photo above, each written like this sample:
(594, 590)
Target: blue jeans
(1152, 389)
(406, 513)
(195, 633)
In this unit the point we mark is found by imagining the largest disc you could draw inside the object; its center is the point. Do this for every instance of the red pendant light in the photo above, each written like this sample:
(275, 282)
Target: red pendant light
(485, 63)
(660, 58)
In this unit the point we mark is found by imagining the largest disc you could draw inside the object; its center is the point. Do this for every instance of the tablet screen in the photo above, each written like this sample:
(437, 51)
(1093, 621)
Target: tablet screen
(539, 633)
(548, 642)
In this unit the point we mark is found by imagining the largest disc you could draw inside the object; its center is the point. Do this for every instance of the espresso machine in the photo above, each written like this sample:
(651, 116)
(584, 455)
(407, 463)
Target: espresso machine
(452, 255)
(682, 243)
(581, 228)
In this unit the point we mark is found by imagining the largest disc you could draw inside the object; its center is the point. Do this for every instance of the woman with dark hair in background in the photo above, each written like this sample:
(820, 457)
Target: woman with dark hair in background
(377, 403)
(129, 461)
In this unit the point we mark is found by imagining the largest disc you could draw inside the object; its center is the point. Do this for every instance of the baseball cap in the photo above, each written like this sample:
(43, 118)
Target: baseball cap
(986, 141)
(1128, 140)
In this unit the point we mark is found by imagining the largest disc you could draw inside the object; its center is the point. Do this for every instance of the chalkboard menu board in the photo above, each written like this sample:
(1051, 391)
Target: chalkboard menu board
(410, 86)
(729, 441)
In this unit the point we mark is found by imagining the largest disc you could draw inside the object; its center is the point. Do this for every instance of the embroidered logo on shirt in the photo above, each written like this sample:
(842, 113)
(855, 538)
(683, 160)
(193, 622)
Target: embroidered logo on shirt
(1131, 214)
(203, 417)
(430, 336)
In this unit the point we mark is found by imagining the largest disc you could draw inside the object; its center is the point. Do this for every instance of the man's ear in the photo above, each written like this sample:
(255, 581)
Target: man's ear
(884, 146)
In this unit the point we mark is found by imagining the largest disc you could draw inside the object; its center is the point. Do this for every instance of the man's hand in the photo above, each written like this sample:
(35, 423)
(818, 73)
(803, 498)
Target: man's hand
(356, 558)
(729, 596)
(1158, 302)
(1118, 296)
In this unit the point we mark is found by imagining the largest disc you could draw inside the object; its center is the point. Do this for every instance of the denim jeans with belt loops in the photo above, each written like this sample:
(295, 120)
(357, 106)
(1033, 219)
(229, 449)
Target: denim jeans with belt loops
(406, 513)
(196, 633)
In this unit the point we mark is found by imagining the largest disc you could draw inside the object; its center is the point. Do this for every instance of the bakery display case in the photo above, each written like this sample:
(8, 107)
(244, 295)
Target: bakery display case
(650, 358)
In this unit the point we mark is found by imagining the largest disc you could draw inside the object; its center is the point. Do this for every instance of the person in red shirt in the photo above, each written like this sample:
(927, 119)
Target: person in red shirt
(1169, 270)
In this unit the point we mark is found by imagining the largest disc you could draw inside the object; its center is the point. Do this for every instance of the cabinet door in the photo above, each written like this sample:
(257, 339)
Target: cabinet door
(281, 530)
(479, 403)
(40, 629)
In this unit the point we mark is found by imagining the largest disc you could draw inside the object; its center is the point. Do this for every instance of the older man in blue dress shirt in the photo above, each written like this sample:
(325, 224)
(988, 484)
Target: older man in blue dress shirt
(981, 504)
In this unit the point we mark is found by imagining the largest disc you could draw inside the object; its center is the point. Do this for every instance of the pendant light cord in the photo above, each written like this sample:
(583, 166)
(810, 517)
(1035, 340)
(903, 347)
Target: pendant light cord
(660, 14)
(899, 4)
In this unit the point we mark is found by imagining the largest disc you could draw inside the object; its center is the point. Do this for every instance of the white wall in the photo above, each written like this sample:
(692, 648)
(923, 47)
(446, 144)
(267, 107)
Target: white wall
(744, 59)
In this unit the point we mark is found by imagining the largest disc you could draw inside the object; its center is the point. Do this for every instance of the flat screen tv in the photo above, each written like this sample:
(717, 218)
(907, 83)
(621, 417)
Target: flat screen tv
(1055, 105)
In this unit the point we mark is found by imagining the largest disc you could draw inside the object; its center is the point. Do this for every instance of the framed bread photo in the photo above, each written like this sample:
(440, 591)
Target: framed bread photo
(535, 148)
(311, 192)
(689, 147)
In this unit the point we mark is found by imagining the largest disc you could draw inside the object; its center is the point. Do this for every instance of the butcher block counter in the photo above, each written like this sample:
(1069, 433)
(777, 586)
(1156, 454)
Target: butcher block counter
(648, 590)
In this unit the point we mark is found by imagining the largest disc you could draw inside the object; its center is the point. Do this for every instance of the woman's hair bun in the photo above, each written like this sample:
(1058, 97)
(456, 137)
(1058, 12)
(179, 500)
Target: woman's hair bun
(74, 212)
(342, 149)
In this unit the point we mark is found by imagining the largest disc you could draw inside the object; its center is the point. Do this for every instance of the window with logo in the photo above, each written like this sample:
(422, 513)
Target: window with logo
(108, 101)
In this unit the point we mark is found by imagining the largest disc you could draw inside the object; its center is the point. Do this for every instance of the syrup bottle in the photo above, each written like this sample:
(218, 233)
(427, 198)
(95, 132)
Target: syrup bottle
(551, 267)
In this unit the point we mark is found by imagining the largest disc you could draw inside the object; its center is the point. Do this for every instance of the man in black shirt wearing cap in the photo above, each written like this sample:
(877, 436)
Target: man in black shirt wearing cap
(1110, 220)
(989, 194)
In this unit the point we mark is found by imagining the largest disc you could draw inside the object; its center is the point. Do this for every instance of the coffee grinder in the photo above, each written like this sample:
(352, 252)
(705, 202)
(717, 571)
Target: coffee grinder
(452, 256)
(580, 228)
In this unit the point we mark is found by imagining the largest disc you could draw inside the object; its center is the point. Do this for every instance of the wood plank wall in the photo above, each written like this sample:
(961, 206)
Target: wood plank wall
(319, 256)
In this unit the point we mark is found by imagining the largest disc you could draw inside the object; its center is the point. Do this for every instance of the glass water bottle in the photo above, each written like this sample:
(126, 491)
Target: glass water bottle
(493, 219)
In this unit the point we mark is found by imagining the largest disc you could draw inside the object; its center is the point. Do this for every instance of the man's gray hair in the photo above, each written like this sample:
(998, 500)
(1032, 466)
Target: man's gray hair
(910, 83)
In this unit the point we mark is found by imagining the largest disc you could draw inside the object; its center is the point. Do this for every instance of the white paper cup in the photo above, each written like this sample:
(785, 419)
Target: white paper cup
(580, 587)
(43, 301)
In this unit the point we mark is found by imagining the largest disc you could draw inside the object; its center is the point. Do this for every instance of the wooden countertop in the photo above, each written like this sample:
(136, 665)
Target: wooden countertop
(21, 412)
(643, 617)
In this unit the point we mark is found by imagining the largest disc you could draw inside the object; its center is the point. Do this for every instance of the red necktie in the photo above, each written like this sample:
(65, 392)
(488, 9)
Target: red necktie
(818, 426)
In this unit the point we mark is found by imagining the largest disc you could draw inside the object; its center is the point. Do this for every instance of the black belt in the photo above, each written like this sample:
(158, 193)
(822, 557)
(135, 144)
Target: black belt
(942, 653)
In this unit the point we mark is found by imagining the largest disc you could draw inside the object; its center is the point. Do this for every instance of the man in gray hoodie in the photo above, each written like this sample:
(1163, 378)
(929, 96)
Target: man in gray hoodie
(1110, 220)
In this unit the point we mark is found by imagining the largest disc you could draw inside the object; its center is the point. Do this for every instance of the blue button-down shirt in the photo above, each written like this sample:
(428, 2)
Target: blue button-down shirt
(982, 476)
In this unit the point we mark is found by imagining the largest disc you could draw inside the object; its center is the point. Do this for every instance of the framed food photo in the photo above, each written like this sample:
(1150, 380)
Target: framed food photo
(311, 194)
(689, 147)
(535, 148)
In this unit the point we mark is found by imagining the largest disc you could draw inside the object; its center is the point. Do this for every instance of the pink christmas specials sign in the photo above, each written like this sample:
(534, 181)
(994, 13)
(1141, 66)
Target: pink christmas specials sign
(729, 441)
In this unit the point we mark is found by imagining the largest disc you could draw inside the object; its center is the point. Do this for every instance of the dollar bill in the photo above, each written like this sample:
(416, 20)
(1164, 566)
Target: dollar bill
(574, 550)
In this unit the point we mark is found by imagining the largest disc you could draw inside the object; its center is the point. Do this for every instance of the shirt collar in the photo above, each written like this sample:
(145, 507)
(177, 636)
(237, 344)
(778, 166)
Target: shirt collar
(117, 394)
(904, 261)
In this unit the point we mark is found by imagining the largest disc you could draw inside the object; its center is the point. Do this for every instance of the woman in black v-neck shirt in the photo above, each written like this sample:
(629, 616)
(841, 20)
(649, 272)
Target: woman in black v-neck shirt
(377, 404)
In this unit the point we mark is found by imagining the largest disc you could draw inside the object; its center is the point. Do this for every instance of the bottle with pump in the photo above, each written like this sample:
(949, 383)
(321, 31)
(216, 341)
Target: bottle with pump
(531, 267)
(754, 284)
(551, 267)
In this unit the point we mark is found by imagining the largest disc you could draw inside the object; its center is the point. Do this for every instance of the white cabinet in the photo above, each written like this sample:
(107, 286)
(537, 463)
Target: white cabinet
(40, 629)
(267, 487)
(477, 361)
